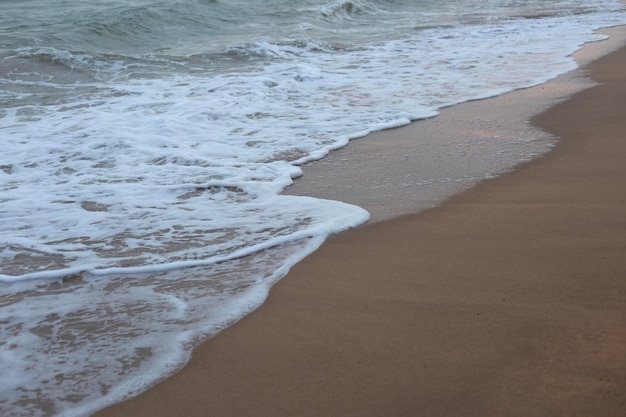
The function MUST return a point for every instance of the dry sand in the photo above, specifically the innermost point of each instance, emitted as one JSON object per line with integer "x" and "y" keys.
{"x": 507, "y": 300}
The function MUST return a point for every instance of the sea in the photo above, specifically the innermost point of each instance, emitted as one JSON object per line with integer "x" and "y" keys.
{"x": 144, "y": 146}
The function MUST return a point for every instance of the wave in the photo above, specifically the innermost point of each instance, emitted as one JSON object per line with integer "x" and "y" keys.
{"x": 63, "y": 62}
{"x": 341, "y": 217}
{"x": 131, "y": 22}
{"x": 350, "y": 10}
{"x": 342, "y": 10}
{"x": 282, "y": 49}
{"x": 132, "y": 27}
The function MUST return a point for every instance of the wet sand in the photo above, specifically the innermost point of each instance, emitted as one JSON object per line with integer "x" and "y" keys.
{"x": 507, "y": 300}
{"x": 418, "y": 166}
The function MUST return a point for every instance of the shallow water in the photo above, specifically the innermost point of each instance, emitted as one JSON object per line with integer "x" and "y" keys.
{"x": 145, "y": 146}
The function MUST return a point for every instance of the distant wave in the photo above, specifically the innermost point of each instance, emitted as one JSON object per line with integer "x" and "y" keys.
{"x": 286, "y": 49}
{"x": 340, "y": 10}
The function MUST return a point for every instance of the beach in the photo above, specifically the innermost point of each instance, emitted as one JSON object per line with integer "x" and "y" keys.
{"x": 508, "y": 299}
{"x": 163, "y": 167}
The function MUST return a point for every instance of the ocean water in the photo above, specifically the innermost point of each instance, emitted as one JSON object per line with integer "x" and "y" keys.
{"x": 144, "y": 146}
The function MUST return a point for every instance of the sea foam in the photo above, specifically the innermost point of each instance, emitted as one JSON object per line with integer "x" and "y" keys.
{"x": 140, "y": 187}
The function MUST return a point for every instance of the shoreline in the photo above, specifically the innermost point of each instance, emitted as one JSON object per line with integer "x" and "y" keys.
{"x": 439, "y": 313}
{"x": 391, "y": 174}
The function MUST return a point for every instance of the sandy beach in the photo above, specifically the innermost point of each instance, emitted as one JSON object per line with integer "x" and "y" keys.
{"x": 507, "y": 300}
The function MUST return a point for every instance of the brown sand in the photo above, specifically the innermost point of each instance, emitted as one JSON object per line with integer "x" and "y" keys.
{"x": 416, "y": 167}
{"x": 508, "y": 300}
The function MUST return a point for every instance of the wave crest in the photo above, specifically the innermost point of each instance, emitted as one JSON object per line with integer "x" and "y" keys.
{"x": 348, "y": 10}
{"x": 286, "y": 49}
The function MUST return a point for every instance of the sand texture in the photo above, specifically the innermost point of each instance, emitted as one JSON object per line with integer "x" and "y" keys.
{"x": 507, "y": 300}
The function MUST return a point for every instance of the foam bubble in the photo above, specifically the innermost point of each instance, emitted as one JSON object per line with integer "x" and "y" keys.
{"x": 140, "y": 192}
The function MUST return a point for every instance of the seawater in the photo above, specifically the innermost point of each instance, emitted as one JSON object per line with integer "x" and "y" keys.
{"x": 144, "y": 146}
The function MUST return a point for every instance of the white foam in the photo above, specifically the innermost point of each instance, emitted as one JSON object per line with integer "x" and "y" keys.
{"x": 154, "y": 191}
{"x": 91, "y": 341}
{"x": 92, "y": 183}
